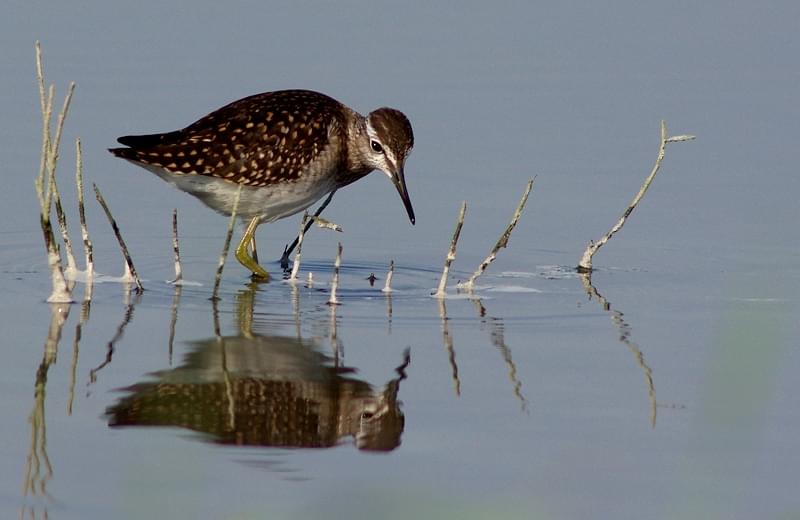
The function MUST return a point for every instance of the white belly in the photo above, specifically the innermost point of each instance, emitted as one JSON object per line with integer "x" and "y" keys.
{"x": 271, "y": 202}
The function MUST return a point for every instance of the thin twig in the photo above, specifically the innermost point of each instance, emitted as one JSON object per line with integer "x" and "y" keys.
{"x": 585, "y": 265}
{"x": 130, "y": 270}
{"x": 296, "y": 266}
{"x": 287, "y": 251}
{"x": 387, "y": 288}
{"x": 335, "y": 284}
{"x": 502, "y": 241}
{"x": 87, "y": 242}
{"x": 224, "y": 254}
{"x": 451, "y": 253}
{"x": 176, "y": 248}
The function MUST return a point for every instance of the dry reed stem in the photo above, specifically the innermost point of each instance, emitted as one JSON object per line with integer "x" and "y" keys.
{"x": 130, "y": 270}
{"x": 451, "y": 253}
{"x": 387, "y": 288}
{"x": 224, "y": 254}
{"x": 585, "y": 264}
{"x": 87, "y": 242}
{"x": 45, "y": 180}
{"x": 72, "y": 266}
{"x": 502, "y": 241}
{"x": 53, "y": 150}
{"x": 335, "y": 284}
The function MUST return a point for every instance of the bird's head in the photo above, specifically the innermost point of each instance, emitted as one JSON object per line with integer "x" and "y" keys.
{"x": 390, "y": 140}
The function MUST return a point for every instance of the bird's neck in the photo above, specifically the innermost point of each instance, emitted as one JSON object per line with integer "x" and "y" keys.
{"x": 355, "y": 151}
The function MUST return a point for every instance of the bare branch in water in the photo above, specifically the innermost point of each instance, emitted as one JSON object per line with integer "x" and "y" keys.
{"x": 502, "y": 241}
{"x": 451, "y": 253}
{"x": 585, "y": 264}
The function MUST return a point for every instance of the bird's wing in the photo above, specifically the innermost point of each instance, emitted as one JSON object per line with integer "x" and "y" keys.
{"x": 255, "y": 141}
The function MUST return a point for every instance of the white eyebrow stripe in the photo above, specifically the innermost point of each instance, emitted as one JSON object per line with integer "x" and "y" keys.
{"x": 371, "y": 131}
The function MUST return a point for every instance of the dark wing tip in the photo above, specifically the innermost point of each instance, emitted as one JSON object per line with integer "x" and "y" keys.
{"x": 149, "y": 140}
{"x": 124, "y": 153}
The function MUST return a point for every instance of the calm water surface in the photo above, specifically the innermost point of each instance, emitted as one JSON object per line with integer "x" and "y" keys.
{"x": 661, "y": 388}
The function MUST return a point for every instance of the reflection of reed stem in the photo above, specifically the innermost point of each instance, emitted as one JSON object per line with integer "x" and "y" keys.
{"x": 296, "y": 310}
{"x": 335, "y": 284}
{"x": 336, "y": 345}
{"x": 111, "y": 345}
{"x": 176, "y": 299}
{"x": 35, "y": 483}
{"x": 229, "y": 393}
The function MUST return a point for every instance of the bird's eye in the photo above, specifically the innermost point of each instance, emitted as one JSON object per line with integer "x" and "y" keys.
{"x": 376, "y": 146}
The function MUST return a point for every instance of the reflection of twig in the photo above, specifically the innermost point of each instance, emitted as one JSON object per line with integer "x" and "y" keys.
{"x": 448, "y": 345}
{"x": 35, "y": 482}
{"x": 230, "y": 394}
{"x": 245, "y": 305}
{"x": 335, "y": 284}
{"x": 86, "y": 307}
{"x": 502, "y": 241}
{"x": 497, "y": 336}
{"x": 625, "y": 337}
{"x": 388, "y": 297}
{"x": 117, "y": 336}
{"x": 336, "y": 344}
{"x": 176, "y": 299}
{"x": 586, "y": 260}
{"x": 451, "y": 253}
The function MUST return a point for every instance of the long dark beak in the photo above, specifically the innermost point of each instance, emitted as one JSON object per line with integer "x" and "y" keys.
{"x": 399, "y": 180}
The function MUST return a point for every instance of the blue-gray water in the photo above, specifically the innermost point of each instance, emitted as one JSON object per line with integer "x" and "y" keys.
{"x": 534, "y": 402}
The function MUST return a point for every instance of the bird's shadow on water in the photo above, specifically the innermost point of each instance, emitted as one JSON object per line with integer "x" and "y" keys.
{"x": 256, "y": 388}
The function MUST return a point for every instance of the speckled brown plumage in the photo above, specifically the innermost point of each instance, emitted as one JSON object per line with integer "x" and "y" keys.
{"x": 255, "y": 141}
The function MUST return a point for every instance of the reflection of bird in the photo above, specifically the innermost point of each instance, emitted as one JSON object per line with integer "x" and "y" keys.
{"x": 266, "y": 391}
{"x": 286, "y": 149}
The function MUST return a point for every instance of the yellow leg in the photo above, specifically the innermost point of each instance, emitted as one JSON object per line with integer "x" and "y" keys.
{"x": 243, "y": 256}
{"x": 253, "y": 248}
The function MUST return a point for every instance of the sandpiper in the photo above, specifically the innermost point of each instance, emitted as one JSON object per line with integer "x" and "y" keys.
{"x": 287, "y": 149}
